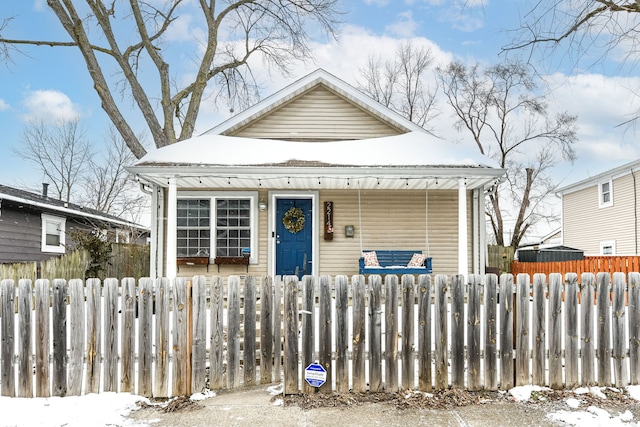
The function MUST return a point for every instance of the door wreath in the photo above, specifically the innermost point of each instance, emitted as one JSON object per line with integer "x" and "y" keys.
{"x": 293, "y": 220}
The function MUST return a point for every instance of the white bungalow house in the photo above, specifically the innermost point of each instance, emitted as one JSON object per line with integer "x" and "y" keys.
{"x": 307, "y": 179}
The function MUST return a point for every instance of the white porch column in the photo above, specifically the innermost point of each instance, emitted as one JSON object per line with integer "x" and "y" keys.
{"x": 172, "y": 225}
{"x": 463, "y": 238}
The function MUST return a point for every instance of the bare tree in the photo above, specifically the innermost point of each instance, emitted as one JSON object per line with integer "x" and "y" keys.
{"x": 108, "y": 187}
{"x": 61, "y": 151}
{"x": 499, "y": 108}
{"x": 586, "y": 25}
{"x": 132, "y": 38}
{"x": 401, "y": 83}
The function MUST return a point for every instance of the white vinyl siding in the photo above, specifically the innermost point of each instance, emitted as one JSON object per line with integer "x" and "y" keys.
{"x": 318, "y": 115}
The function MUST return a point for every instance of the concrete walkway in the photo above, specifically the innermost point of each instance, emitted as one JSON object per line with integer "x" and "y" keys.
{"x": 254, "y": 407}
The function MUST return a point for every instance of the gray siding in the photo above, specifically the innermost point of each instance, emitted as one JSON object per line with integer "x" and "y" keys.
{"x": 20, "y": 236}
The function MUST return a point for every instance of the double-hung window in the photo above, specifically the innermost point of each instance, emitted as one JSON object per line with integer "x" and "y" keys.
{"x": 605, "y": 194}
{"x": 217, "y": 225}
{"x": 53, "y": 234}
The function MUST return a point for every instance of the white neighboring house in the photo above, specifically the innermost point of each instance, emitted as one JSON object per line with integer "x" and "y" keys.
{"x": 601, "y": 214}
{"x": 355, "y": 174}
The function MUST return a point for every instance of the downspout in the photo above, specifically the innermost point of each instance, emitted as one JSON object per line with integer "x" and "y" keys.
{"x": 635, "y": 209}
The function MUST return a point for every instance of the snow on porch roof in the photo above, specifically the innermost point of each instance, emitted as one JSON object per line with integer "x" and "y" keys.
{"x": 414, "y": 155}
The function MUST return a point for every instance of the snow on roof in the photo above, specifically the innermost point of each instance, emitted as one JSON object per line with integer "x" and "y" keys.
{"x": 410, "y": 149}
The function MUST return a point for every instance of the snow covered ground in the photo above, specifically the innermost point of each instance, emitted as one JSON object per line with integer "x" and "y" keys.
{"x": 112, "y": 409}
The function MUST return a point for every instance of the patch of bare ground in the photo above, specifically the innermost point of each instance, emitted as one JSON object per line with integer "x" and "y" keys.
{"x": 451, "y": 398}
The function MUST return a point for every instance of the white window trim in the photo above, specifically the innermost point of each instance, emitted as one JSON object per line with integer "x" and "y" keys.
{"x": 601, "y": 203}
{"x": 61, "y": 221}
{"x": 608, "y": 243}
{"x": 213, "y": 196}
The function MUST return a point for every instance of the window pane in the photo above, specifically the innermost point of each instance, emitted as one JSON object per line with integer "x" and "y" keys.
{"x": 193, "y": 227}
{"x": 52, "y": 240}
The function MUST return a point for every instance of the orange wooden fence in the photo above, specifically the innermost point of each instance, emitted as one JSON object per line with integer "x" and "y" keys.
{"x": 590, "y": 264}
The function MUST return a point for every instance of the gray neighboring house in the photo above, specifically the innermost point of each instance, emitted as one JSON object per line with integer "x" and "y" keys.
{"x": 35, "y": 227}
{"x": 601, "y": 214}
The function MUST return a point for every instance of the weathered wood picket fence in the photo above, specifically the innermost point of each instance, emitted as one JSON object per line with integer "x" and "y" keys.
{"x": 173, "y": 337}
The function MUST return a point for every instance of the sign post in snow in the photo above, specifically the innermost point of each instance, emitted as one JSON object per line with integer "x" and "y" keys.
{"x": 315, "y": 375}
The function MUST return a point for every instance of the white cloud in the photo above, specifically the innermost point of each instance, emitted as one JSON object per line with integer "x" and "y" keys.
{"x": 404, "y": 26}
{"x": 49, "y": 106}
{"x": 3, "y": 105}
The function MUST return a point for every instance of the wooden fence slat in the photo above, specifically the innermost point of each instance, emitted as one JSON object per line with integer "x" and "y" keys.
{"x": 129, "y": 307}
{"x": 325, "y": 331}
{"x": 603, "y": 329}
{"x": 216, "y": 353}
{"x": 7, "y": 331}
{"x": 308, "y": 322}
{"x": 571, "y": 339}
{"x": 291, "y": 352}
{"x": 233, "y": 333}
{"x": 75, "y": 363}
{"x": 539, "y": 374}
{"x": 358, "y": 334}
{"x": 440, "y": 334}
{"x": 43, "y": 298}
{"x": 277, "y": 329}
{"x": 490, "y": 334}
{"x": 555, "y": 331}
{"x": 506, "y": 332}
{"x": 249, "y": 332}
{"x": 94, "y": 335}
{"x": 634, "y": 327}
{"x": 59, "y": 338}
{"x": 587, "y": 331}
{"x": 111, "y": 335}
{"x": 473, "y": 333}
{"x": 266, "y": 331}
{"x": 619, "y": 353}
{"x": 425, "y": 293}
{"x": 391, "y": 332}
{"x": 342, "y": 334}
{"x": 457, "y": 331}
{"x": 522, "y": 329}
{"x": 179, "y": 337}
{"x": 25, "y": 374}
{"x": 145, "y": 312}
{"x": 199, "y": 335}
{"x": 408, "y": 304}
{"x": 161, "y": 373}
{"x": 375, "y": 333}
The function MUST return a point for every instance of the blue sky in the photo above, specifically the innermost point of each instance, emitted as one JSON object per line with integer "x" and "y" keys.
{"x": 52, "y": 82}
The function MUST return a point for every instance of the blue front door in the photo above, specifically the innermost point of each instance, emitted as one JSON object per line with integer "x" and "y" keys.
{"x": 294, "y": 237}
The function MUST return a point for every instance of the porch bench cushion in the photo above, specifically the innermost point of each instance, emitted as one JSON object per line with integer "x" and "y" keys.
{"x": 394, "y": 262}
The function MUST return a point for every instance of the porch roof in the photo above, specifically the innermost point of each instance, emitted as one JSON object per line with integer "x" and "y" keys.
{"x": 414, "y": 160}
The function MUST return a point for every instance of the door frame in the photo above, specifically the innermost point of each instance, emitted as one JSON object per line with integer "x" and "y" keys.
{"x": 273, "y": 196}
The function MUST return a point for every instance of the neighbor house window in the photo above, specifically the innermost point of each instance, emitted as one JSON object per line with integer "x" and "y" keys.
{"x": 217, "y": 225}
{"x": 606, "y": 194}
{"x": 194, "y": 229}
{"x": 608, "y": 247}
{"x": 53, "y": 233}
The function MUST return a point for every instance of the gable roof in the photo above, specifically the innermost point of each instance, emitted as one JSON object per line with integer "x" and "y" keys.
{"x": 617, "y": 172}
{"x": 317, "y": 78}
{"x": 48, "y": 204}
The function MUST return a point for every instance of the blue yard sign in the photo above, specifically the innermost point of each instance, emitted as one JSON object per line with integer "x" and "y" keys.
{"x": 315, "y": 375}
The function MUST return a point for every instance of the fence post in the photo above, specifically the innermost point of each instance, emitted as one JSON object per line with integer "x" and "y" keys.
{"x": 490, "y": 337}
{"x": 391, "y": 332}
{"x": 408, "y": 303}
{"x": 603, "y": 329}
{"x": 571, "y": 347}
{"x": 43, "y": 297}
{"x": 587, "y": 329}
{"x": 441, "y": 341}
{"x": 342, "y": 334}
{"x": 619, "y": 353}
{"x": 424, "y": 333}
{"x": 359, "y": 331}
{"x": 539, "y": 330}
{"x": 473, "y": 333}
{"x": 506, "y": 332}
{"x": 375, "y": 334}
{"x": 522, "y": 330}
{"x": 634, "y": 327}
{"x": 457, "y": 331}
{"x": 59, "y": 324}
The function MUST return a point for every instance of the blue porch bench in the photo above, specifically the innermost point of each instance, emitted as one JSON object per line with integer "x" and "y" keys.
{"x": 395, "y": 262}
